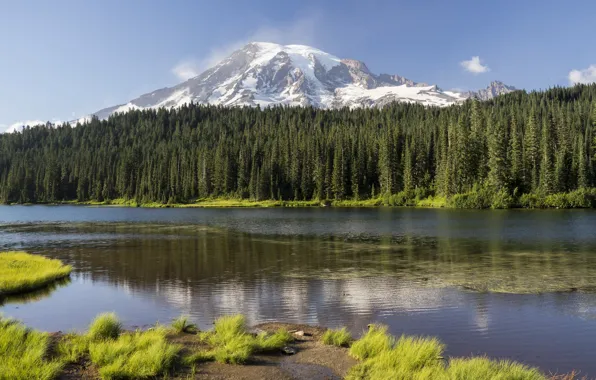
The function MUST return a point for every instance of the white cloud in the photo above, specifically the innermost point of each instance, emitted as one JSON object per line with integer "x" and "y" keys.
{"x": 474, "y": 66}
{"x": 301, "y": 31}
{"x": 186, "y": 70}
{"x": 585, "y": 76}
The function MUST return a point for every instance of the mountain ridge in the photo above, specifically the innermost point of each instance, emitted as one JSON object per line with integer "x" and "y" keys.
{"x": 267, "y": 74}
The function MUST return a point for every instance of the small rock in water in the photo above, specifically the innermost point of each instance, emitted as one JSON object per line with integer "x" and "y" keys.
{"x": 288, "y": 350}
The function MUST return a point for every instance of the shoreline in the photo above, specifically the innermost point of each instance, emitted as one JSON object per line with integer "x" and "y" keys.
{"x": 304, "y": 355}
{"x": 426, "y": 203}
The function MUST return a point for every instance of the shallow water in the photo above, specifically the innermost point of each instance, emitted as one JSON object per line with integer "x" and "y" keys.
{"x": 514, "y": 284}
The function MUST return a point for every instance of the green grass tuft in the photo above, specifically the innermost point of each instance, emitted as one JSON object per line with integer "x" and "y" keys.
{"x": 182, "y": 325}
{"x": 24, "y": 352}
{"x": 484, "y": 368}
{"x": 272, "y": 342}
{"x": 135, "y": 355}
{"x": 230, "y": 342}
{"x": 372, "y": 343}
{"x": 105, "y": 326}
{"x": 72, "y": 347}
{"x": 415, "y": 358}
{"x": 340, "y": 337}
{"x": 22, "y": 272}
{"x": 199, "y": 356}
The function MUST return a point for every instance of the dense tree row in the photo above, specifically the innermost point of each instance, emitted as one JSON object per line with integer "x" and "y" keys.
{"x": 541, "y": 142}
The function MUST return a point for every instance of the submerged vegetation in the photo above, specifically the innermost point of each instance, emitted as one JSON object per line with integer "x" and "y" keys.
{"x": 116, "y": 354}
{"x": 522, "y": 149}
{"x": 21, "y": 272}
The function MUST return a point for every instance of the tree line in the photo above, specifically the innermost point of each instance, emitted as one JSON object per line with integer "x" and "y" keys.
{"x": 520, "y": 147}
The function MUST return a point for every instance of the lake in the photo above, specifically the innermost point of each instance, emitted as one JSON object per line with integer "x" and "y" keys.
{"x": 510, "y": 284}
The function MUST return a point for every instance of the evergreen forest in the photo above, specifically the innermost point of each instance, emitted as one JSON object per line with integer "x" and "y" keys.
{"x": 522, "y": 149}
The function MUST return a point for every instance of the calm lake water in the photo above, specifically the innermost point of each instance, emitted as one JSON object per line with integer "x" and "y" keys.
{"x": 509, "y": 284}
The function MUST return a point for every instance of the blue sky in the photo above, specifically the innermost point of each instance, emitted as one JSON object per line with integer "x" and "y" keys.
{"x": 63, "y": 59}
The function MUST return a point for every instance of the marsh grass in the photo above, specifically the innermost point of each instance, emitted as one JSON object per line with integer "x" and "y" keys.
{"x": 24, "y": 352}
{"x": 272, "y": 342}
{"x": 23, "y": 272}
{"x": 231, "y": 343}
{"x": 182, "y": 325}
{"x": 137, "y": 355}
{"x": 72, "y": 347}
{"x": 484, "y": 368}
{"x": 339, "y": 338}
{"x": 372, "y": 343}
{"x": 105, "y": 326}
{"x": 420, "y": 358}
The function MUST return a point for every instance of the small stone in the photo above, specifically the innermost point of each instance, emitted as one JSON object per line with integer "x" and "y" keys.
{"x": 299, "y": 333}
{"x": 288, "y": 350}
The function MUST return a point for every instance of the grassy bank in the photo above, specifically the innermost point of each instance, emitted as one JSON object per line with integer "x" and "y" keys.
{"x": 180, "y": 351}
{"x": 480, "y": 197}
{"x": 21, "y": 272}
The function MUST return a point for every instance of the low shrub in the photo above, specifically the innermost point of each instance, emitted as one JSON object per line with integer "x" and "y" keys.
{"x": 340, "y": 337}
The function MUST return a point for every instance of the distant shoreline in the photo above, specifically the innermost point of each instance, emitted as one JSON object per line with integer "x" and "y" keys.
{"x": 554, "y": 201}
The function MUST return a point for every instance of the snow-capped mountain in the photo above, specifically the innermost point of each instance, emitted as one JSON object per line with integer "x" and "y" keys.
{"x": 266, "y": 74}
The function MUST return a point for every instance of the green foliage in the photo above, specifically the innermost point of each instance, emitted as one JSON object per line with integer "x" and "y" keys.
{"x": 272, "y": 342}
{"x": 483, "y": 368}
{"x": 199, "y": 356}
{"x": 372, "y": 343}
{"x": 539, "y": 141}
{"x": 24, "y": 352}
{"x": 182, "y": 325}
{"x": 135, "y": 355}
{"x": 422, "y": 359}
{"x": 105, "y": 326}
{"x": 22, "y": 272}
{"x": 411, "y": 358}
{"x": 340, "y": 337}
{"x": 230, "y": 342}
{"x": 72, "y": 347}
{"x": 580, "y": 198}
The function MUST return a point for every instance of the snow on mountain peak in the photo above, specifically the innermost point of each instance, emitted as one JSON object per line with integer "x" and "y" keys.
{"x": 266, "y": 74}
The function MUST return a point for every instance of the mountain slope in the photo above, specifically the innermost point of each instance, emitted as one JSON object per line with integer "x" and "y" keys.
{"x": 265, "y": 74}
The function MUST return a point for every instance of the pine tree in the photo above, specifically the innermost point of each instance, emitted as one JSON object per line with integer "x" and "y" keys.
{"x": 582, "y": 172}
{"x": 516, "y": 156}
{"x": 498, "y": 165}
{"x": 547, "y": 174}
{"x": 532, "y": 153}
{"x": 408, "y": 171}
